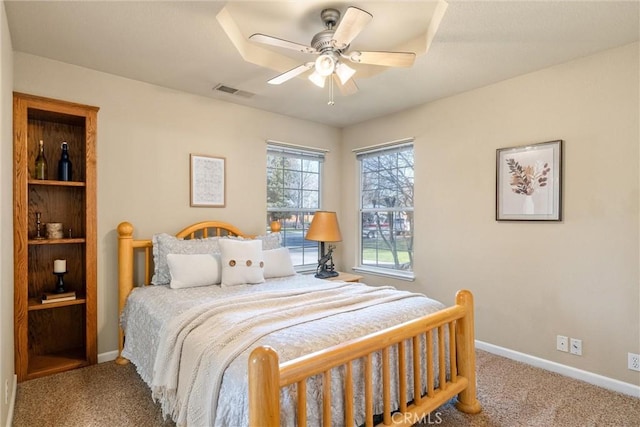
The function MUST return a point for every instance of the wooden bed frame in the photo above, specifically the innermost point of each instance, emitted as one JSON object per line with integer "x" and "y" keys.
{"x": 267, "y": 376}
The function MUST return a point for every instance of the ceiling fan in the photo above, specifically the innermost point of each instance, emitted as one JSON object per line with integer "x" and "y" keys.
{"x": 332, "y": 47}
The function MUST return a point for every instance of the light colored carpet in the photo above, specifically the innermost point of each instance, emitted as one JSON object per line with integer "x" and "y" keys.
{"x": 511, "y": 393}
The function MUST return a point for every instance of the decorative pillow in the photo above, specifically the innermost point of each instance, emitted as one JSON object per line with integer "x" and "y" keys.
{"x": 242, "y": 262}
{"x": 269, "y": 241}
{"x": 188, "y": 271}
{"x": 277, "y": 263}
{"x": 164, "y": 244}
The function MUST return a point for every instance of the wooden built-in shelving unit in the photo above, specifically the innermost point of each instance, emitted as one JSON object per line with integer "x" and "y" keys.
{"x": 54, "y": 337}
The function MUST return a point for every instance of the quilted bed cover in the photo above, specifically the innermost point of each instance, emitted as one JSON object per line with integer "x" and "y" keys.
{"x": 191, "y": 346}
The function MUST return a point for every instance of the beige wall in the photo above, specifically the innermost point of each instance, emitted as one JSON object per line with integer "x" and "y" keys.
{"x": 6, "y": 214}
{"x": 145, "y": 135}
{"x": 532, "y": 281}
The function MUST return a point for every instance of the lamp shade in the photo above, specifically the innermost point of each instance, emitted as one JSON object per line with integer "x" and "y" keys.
{"x": 344, "y": 72}
{"x": 317, "y": 79}
{"x": 324, "y": 228}
{"x": 325, "y": 64}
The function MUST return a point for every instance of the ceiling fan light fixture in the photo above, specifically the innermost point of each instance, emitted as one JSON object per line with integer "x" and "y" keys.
{"x": 332, "y": 45}
{"x": 344, "y": 72}
{"x": 325, "y": 64}
{"x": 317, "y": 79}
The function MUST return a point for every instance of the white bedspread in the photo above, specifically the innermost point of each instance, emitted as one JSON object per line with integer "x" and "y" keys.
{"x": 192, "y": 345}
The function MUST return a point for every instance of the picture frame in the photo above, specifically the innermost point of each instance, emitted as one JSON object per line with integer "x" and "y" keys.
{"x": 207, "y": 181}
{"x": 529, "y": 182}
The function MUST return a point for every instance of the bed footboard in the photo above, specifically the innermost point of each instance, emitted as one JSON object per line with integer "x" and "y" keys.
{"x": 267, "y": 376}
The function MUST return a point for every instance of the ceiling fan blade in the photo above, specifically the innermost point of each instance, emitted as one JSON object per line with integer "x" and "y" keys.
{"x": 288, "y": 75}
{"x": 348, "y": 88}
{"x": 353, "y": 21}
{"x": 387, "y": 59}
{"x": 274, "y": 41}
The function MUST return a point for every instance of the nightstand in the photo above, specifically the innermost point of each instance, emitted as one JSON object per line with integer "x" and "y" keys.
{"x": 346, "y": 277}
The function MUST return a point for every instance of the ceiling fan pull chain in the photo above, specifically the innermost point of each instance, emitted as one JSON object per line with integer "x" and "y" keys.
{"x": 331, "y": 90}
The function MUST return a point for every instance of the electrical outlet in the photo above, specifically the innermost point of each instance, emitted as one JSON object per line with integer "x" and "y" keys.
{"x": 575, "y": 346}
{"x": 562, "y": 343}
{"x": 633, "y": 362}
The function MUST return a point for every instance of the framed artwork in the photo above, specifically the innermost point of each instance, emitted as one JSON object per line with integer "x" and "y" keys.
{"x": 529, "y": 182}
{"x": 207, "y": 184}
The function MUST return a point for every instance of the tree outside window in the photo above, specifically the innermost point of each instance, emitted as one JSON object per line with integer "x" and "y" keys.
{"x": 386, "y": 208}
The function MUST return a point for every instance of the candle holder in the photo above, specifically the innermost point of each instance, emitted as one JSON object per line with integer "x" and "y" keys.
{"x": 38, "y": 224}
{"x": 60, "y": 285}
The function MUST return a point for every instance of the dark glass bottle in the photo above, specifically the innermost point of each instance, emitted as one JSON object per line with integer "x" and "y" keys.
{"x": 41, "y": 163}
{"x": 64, "y": 165}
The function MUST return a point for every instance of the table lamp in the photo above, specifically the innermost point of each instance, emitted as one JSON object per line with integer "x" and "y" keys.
{"x": 324, "y": 228}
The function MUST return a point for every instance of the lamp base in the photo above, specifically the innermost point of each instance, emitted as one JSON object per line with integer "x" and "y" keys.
{"x": 325, "y": 274}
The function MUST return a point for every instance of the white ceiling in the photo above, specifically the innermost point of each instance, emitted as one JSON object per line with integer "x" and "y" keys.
{"x": 181, "y": 45}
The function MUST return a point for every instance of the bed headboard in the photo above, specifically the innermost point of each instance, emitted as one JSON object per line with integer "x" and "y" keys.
{"x": 130, "y": 250}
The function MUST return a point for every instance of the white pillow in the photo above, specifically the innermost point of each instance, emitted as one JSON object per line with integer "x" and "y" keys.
{"x": 164, "y": 244}
{"x": 269, "y": 241}
{"x": 191, "y": 270}
{"x": 242, "y": 262}
{"x": 277, "y": 263}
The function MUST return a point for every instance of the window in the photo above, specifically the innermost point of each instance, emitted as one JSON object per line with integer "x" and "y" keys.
{"x": 294, "y": 177}
{"x": 386, "y": 208}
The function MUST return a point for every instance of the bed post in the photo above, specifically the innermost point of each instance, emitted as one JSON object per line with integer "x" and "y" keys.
{"x": 264, "y": 388}
{"x": 466, "y": 356}
{"x": 125, "y": 278}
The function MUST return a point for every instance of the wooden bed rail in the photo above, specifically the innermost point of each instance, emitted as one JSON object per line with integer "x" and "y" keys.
{"x": 126, "y": 247}
{"x": 267, "y": 376}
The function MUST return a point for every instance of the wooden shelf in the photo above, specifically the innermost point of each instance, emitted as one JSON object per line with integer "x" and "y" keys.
{"x": 56, "y": 183}
{"x": 35, "y": 304}
{"x": 47, "y": 364}
{"x": 56, "y": 241}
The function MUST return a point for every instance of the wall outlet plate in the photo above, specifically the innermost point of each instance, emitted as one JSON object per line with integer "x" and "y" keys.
{"x": 575, "y": 346}
{"x": 562, "y": 343}
{"x": 633, "y": 362}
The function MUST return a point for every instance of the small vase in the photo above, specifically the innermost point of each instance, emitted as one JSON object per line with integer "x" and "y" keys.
{"x": 528, "y": 207}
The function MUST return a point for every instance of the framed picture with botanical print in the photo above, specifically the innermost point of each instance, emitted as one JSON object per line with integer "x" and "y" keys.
{"x": 529, "y": 182}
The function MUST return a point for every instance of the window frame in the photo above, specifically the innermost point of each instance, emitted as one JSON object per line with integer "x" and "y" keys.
{"x": 375, "y": 151}
{"x": 302, "y": 153}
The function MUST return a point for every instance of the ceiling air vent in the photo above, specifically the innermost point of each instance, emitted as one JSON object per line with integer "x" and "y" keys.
{"x": 233, "y": 91}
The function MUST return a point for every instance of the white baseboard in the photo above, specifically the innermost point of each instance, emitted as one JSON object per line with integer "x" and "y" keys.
{"x": 108, "y": 356}
{"x": 12, "y": 401}
{"x": 568, "y": 371}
